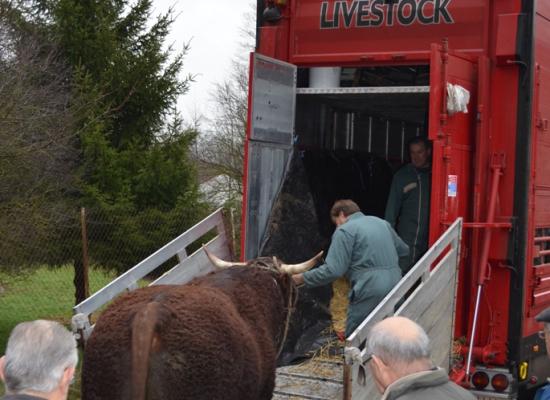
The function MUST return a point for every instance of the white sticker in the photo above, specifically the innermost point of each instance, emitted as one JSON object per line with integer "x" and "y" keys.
{"x": 452, "y": 186}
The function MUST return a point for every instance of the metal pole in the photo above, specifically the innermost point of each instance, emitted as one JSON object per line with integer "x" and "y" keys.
{"x": 370, "y": 134}
{"x": 402, "y": 142}
{"x": 387, "y": 137}
{"x": 484, "y": 259}
{"x": 474, "y": 326}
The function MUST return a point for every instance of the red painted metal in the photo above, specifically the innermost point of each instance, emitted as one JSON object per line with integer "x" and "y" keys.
{"x": 497, "y": 167}
{"x": 481, "y": 55}
{"x": 361, "y": 40}
{"x": 481, "y": 225}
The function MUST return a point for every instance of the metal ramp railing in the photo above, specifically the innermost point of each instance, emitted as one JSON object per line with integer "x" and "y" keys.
{"x": 188, "y": 267}
{"x": 431, "y": 304}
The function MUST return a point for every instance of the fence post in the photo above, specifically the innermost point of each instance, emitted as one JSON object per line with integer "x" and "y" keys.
{"x": 82, "y": 287}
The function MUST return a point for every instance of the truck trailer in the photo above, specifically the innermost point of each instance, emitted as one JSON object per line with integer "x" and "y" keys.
{"x": 356, "y": 79}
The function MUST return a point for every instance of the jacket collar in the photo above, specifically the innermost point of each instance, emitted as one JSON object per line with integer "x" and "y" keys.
{"x": 433, "y": 377}
{"x": 355, "y": 215}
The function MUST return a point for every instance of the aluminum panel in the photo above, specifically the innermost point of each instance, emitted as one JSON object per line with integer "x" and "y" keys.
{"x": 273, "y": 100}
{"x": 266, "y": 167}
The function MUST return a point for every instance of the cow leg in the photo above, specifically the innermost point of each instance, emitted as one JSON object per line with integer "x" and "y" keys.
{"x": 267, "y": 391}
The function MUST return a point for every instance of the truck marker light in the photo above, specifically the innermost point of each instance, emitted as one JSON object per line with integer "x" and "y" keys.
{"x": 480, "y": 380}
{"x": 523, "y": 368}
{"x": 500, "y": 382}
{"x": 533, "y": 380}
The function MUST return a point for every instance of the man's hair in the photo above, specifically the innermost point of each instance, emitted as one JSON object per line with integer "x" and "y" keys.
{"x": 393, "y": 348}
{"x": 37, "y": 354}
{"x": 419, "y": 140}
{"x": 348, "y": 207}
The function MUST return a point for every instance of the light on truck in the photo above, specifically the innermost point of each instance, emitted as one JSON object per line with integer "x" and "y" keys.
{"x": 523, "y": 368}
{"x": 480, "y": 380}
{"x": 500, "y": 382}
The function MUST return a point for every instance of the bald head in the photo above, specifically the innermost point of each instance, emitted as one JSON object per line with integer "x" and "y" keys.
{"x": 400, "y": 343}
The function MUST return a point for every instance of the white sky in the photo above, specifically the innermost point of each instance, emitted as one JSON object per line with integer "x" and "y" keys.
{"x": 213, "y": 27}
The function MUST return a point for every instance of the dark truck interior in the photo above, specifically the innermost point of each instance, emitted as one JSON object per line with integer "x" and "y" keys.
{"x": 347, "y": 146}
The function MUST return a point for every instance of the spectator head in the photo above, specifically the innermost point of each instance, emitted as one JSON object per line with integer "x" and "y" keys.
{"x": 420, "y": 152}
{"x": 398, "y": 347}
{"x": 544, "y": 316}
{"x": 341, "y": 210}
{"x": 40, "y": 360}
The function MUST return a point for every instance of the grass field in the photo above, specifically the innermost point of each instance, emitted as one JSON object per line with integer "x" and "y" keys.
{"x": 45, "y": 293}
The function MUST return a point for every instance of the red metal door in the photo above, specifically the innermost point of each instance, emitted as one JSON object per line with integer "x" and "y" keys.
{"x": 453, "y": 153}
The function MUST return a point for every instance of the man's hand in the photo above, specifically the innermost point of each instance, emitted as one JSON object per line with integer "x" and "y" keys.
{"x": 298, "y": 279}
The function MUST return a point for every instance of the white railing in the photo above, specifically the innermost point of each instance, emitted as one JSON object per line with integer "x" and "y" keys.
{"x": 431, "y": 304}
{"x": 187, "y": 268}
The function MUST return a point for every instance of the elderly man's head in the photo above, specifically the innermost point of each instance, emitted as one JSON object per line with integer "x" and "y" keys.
{"x": 40, "y": 360}
{"x": 399, "y": 347}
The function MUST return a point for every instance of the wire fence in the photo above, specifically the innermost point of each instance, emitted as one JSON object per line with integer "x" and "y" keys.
{"x": 46, "y": 270}
{"x": 44, "y": 276}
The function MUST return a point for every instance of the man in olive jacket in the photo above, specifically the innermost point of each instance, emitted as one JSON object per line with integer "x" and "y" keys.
{"x": 366, "y": 250}
{"x": 408, "y": 206}
{"x": 401, "y": 366}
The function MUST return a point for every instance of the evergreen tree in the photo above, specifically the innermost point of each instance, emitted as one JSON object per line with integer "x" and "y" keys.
{"x": 134, "y": 168}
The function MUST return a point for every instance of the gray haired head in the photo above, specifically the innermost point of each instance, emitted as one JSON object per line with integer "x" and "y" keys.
{"x": 37, "y": 354}
{"x": 399, "y": 340}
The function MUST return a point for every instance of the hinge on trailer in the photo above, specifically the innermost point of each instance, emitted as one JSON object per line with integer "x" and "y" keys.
{"x": 447, "y": 152}
{"x": 479, "y": 115}
{"x": 542, "y": 123}
{"x": 498, "y": 161}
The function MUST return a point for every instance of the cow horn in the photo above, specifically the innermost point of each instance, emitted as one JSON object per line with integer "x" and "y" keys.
{"x": 218, "y": 262}
{"x": 293, "y": 269}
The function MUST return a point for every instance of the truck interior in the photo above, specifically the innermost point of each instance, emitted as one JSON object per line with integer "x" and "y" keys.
{"x": 356, "y": 141}
{"x": 350, "y": 138}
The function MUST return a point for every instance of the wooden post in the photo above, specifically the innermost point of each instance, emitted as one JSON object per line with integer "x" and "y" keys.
{"x": 348, "y": 387}
{"x": 227, "y": 218}
{"x": 81, "y": 266}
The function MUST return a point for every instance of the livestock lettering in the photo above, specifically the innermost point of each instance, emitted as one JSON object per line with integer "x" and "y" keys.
{"x": 376, "y": 13}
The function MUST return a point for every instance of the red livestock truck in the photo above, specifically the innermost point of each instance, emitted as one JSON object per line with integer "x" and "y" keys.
{"x": 362, "y": 77}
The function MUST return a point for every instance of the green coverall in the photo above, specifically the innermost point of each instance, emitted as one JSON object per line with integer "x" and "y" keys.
{"x": 366, "y": 250}
{"x": 408, "y": 211}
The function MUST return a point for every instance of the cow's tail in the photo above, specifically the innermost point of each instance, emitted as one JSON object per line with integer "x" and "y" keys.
{"x": 143, "y": 340}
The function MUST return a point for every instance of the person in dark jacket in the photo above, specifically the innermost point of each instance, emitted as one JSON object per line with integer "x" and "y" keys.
{"x": 408, "y": 206}
{"x": 544, "y": 316}
{"x": 366, "y": 250}
{"x": 401, "y": 366}
{"x": 39, "y": 363}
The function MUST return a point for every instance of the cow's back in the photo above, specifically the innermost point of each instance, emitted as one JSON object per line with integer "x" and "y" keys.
{"x": 202, "y": 348}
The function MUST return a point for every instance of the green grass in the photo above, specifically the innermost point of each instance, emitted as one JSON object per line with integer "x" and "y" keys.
{"x": 46, "y": 293}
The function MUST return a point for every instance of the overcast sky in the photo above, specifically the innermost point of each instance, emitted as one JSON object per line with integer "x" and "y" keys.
{"x": 213, "y": 27}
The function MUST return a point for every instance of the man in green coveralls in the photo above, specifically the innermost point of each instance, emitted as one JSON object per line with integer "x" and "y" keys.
{"x": 366, "y": 250}
{"x": 408, "y": 206}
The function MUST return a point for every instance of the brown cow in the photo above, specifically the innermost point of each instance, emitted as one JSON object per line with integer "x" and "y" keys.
{"x": 214, "y": 338}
